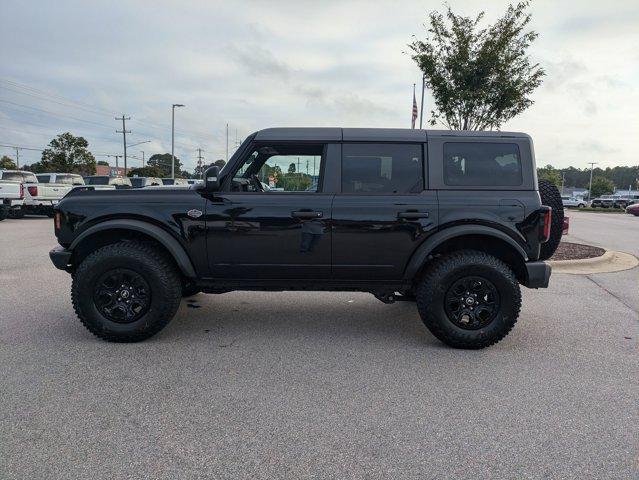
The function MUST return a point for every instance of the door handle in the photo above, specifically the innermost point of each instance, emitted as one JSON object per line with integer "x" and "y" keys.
{"x": 306, "y": 214}
{"x": 412, "y": 215}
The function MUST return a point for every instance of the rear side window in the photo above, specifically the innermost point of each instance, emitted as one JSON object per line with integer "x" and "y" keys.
{"x": 475, "y": 164}
{"x": 44, "y": 178}
{"x": 382, "y": 168}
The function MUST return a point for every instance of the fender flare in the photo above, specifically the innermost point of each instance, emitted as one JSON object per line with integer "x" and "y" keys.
{"x": 420, "y": 255}
{"x": 162, "y": 236}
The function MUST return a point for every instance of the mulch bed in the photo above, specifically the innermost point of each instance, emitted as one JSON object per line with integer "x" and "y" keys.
{"x": 576, "y": 251}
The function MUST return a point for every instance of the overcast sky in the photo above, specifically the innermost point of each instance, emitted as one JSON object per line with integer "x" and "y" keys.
{"x": 262, "y": 64}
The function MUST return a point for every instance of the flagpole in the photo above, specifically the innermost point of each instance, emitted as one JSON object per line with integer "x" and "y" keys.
{"x": 421, "y": 111}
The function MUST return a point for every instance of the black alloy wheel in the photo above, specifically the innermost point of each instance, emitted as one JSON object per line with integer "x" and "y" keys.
{"x": 122, "y": 295}
{"x": 472, "y": 303}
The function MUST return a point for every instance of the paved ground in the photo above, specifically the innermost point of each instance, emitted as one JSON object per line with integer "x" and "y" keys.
{"x": 296, "y": 385}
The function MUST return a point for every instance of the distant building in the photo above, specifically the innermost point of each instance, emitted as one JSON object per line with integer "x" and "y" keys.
{"x": 110, "y": 171}
{"x": 575, "y": 192}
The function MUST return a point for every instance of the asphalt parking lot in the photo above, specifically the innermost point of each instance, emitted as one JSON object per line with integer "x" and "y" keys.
{"x": 319, "y": 385}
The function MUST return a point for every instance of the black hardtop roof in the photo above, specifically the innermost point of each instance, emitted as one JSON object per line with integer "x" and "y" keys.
{"x": 330, "y": 134}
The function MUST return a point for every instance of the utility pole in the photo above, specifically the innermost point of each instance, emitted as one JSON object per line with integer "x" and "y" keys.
{"x": 592, "y": 166}
{"x": 17, "y": 157}
{"x": 142, "y": 157}
{"x": 563, "y": 180}
{"x": 124, "y": 131}
{"x": 199, "y": 161}
{"x": 421, "y": 110}
{"x": 227, "y": 143}
{"x": 173, "y": 137}
{"x": 116, "y": 159}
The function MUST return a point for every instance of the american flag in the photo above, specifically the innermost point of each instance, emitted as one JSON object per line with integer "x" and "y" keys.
{"x": 414, "y": 117}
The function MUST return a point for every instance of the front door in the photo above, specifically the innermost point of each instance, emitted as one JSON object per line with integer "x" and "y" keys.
{"x": 272, "y": 220}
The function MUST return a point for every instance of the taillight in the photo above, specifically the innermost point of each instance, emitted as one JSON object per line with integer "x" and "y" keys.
{"x": 33, "y": 190}
{"x": 21, "y": 191}
{"x": 56, "y": 220}
{"x": 547, "y": 224}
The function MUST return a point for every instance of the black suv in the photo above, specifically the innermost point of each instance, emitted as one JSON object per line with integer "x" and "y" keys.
{"x": 450, "y": 220}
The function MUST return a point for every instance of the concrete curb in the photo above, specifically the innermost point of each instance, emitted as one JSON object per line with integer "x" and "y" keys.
{"x": 610, "y": 261}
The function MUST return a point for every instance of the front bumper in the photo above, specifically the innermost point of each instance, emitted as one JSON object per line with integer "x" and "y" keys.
{"x": 60, "y": 258}
{"x": 537, "y": 275}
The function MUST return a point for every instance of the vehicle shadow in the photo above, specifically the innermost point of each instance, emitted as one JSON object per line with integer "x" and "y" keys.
{"x": 305, "y": 316}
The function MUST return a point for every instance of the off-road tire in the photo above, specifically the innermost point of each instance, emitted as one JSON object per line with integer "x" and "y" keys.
{"x": 551, "y": 197}
{"x": 4, "y": 212}
{"x": 144, "y": 259}
{"x": 442, "y": 273}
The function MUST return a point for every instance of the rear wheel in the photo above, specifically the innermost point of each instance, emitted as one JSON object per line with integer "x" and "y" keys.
{"x": 126, "y": 292}
{"x": 469, "y": 299}
{"x": 551, "y": 197}
{"x": 4, "y": 212}
{"x": 16, "y": 213}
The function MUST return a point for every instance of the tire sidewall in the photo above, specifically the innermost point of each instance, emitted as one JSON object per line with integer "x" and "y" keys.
{"x": 95, "y": 268}
{"x": 508, "y": 308}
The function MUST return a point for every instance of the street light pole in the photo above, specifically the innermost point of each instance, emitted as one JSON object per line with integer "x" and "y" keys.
{"x": 592, "y": 165}
{"x": 173, "y": 137}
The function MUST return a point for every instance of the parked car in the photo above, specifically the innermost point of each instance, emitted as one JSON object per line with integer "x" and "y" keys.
{"x": 577, "y": 202}
{"x": 633, "y": 209}
{"x": 141, "y": 182}
{"x": 27, "y": 180}
{"x": 11, "y": 198}
{"x": 72, "y": 179}
{"x": 104, "y": 182}
{"x": 605, "y": 201}
{"x": 175, "y": 181}
{"x": 458, "y": 241}
{"x": 624, "y": 200}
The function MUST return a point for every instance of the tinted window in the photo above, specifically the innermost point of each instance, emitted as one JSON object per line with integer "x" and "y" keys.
{"x": 96, "y": 180}
{"x": 44, "y": 178}
{"x": 482, "y": 164}
{"x": 382, "y": 168}
{"x": 137, "y": 182}
{"x": 12, "y": 176}
{"x": 168, "y": 181}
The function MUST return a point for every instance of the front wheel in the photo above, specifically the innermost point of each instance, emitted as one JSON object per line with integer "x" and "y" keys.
{"x": 126, "y": 292}
{"x": 469, "y": 299}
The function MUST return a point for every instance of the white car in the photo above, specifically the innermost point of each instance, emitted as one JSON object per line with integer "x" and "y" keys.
{"x": 575, "y": 202}
{"x": 11, "y": 197}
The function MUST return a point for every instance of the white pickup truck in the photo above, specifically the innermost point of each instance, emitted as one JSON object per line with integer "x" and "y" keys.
{"x": 12, "y": 192}
{"x": 11, "y": 198}
{"x": 40, "y": 198}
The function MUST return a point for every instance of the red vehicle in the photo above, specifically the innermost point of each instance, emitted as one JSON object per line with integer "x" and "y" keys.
{"x": 634, "y": 209}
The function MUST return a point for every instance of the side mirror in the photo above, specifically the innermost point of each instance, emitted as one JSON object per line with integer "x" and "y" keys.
{"x": 212, "y": 178}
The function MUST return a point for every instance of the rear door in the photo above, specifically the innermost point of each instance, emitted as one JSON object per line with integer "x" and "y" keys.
{"x": 383, "y": 211}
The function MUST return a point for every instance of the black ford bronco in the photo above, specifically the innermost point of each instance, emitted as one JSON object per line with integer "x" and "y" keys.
{"x": 450, "y": 220}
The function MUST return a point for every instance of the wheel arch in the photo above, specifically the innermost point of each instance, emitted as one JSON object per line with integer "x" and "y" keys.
{"x": 464, "y": 237}
{"x": 111, "y": 231}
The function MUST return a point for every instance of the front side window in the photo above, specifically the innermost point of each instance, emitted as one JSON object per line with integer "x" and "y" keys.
{"x": 280, "y": 168}
{"x": 382, "y": 168}
{"x": 478, "y": 164}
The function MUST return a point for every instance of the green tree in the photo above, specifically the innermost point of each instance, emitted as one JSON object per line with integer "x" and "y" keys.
{"x": 67, "y": 154}
{"x": 479, "y": 77}
{"x": 7, "y": 163}
{"x": 103, "y": 162}
{"x": 601, "y": 186}
{"x": 163, "y": 162}
{"x": 146, "y": 172}
{"x": 291, "y": 168}
{"x": 220, "y": 163}
{"x": 551, "y": 174}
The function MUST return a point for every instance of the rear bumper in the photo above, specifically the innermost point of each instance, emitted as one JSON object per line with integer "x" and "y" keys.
{"x": 60, "y": 258}
{"x": 537, "y": 275}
